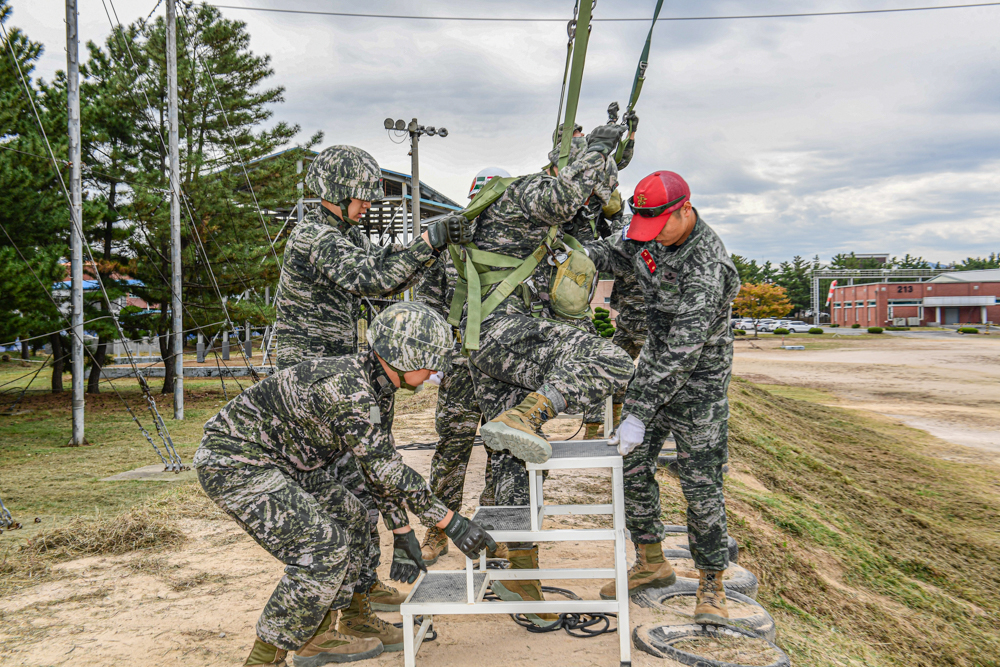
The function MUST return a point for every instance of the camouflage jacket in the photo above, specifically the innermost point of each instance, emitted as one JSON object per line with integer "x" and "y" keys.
{"x": 688, "y": 292}
{"x": 626, "y": 295}
{"x": 518, "y": 221}
{"x": 328, "y": 266}
{"x": 306, "y": 416}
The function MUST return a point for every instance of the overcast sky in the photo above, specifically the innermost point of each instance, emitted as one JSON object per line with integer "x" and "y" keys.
{"x": 798, "y": 136}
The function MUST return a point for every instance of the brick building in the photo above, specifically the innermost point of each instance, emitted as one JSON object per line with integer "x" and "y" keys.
{"x": 962, "y": 297}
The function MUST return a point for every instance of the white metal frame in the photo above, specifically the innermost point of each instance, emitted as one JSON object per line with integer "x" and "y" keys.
{"x": 474, "y": 604}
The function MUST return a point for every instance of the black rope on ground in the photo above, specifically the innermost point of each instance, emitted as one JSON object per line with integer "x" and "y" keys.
{"x": 432, "y": 632}
{"x": 576, "y": 625}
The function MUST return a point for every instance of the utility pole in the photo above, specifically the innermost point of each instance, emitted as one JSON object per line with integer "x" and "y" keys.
{"x": 176, "y": 310}
{"x": 76, "y": 216}
{"x": 415, "y": 130}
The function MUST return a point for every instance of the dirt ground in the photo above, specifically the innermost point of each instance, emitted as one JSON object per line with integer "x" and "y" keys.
{"x": 197, "y": 604}
{"x": 949, "y": 387}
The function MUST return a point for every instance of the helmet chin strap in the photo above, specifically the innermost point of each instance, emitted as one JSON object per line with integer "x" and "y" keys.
{"x": 403, "y": 384}
{"x": 344, "y": 204}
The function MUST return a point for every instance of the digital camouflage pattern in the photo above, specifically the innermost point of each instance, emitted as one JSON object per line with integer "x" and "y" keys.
{"x": 519, "y": 354}
{"x": 412, "y": 336}
{"x": 328, "y": 266}
{"x": 345, "y": 172}
{"x": 627, "y": 301}
{"x": 305, "y": 519}
{"x": 577, "y": 147}
{"x": 305, "y": 417}
{"x": 457, "y": 416}
{"x": 681, "y": 381}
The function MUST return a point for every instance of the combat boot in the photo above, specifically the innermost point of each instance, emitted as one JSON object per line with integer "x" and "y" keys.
{"x": 328, "y": 646}
{"x": 616, "y": 414}
{"x": 358, "y": 620}
{"x": 384, "y": 597}
{"x": 518, "y": 430}
{"x": 435, "y": 545}
{"x": 514, "y": 590}
{"x": 595, "y": 431}
{"x": 500, "y": 552}
{"x": 651, "y": 570}
{"x": 711, "y": 600}
{"x": 266, "y": 655}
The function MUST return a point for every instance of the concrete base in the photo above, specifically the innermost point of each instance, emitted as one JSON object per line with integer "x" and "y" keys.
{"x": 153, "y": 473}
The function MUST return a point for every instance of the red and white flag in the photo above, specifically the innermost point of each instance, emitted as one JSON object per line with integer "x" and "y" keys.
{"x": 829, "y": 296}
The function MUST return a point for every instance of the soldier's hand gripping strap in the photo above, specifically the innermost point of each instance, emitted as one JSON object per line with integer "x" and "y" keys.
{"x": 468, "y": 536}
{"x": 474, "y": 284}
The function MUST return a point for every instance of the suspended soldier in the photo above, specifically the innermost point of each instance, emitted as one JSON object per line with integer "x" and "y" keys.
{"x": 457, "y": 417}
{"x": 265, "y": 460}
{"x": 329, "y": 265}
{"x": 689, "y": 282}
{"x": 528, "y": 367}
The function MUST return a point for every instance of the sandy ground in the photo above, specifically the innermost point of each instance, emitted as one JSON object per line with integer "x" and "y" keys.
{"x": 197, "y": 605}
{"x": 947, "y": 386}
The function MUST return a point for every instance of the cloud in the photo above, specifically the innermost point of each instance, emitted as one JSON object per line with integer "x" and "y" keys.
{"x": 798, "y": 136}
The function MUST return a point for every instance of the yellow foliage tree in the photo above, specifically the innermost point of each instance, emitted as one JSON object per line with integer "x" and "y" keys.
{"x": 760, "y": 301}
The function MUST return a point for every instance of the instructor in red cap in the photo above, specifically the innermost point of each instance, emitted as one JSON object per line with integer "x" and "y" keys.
{"x": 688, "y": 282}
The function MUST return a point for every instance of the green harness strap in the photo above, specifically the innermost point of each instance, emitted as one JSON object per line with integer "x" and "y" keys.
{"x": 640, "y": 74}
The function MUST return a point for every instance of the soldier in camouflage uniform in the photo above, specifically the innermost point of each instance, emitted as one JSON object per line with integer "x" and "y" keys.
{"x": 329, "y": 265}
{"x": 530, "y": 368}
{"x": 265, "y": 460}
{"x": 688, "y": 281}
{"x": 457, "y": 417}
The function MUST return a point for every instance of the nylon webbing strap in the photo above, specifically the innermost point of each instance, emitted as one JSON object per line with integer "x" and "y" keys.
{"x": 640, "y": 74}
{"x": 474, "y": 283}
{"x": 575, "y": 79}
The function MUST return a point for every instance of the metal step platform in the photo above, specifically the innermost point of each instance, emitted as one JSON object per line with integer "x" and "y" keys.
{"x": 461, "y": 592}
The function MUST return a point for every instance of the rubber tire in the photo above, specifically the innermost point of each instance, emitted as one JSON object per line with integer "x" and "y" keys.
{"x": 761, "y": 624}
{"x": 734, "y": 547}
{"x": 659, "y": 636}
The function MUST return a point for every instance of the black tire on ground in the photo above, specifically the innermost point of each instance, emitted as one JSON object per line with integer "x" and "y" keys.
{"x": 744, "y": 582}
{"x": 734, "y": 547}
{"x": 657, "y": 640}
{"x": 760, "y": 623}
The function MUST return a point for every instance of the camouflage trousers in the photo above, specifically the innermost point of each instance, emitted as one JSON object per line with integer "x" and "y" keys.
{"x": 308, "y": 521}
{"x": 701, "y": 431}
{"x": 520, "y": 354}
{"x": 629, "y": 340}
{"x": 456, "y": 421}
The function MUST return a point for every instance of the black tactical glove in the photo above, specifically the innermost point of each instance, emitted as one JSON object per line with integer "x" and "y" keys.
{"x": 406, "y": 560}
{"x": 631, "y": 120}
{"x": 452, "y": 228}
{"x": 468, "y": 536}
{"x": 604, "y": 139}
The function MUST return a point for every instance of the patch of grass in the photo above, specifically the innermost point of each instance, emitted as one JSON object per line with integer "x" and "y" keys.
{"x": 800, "y": 393}
{"x": 133, "y": 530}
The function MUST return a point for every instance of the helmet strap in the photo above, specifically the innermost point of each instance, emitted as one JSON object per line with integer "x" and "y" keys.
{"x": 344, "y": 204}
{"x": 403, "y": 384}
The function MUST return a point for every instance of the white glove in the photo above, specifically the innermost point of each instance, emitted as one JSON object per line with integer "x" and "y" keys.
{"x": 435, "y": 379}
{"x": 614, "y": 439}
{"x": 630, "y": 434}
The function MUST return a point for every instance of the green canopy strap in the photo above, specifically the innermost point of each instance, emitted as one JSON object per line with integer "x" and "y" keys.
{"x": 640, "y": 74}
{"x": 580, "y": 41}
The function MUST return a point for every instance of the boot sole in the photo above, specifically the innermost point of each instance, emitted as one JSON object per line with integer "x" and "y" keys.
{"x": 501, "y": 592}
{"x": 531, "y": 448}
{"x": 713, "y": 619}
{"x": 654, "y": 583}
{"x": 335, "y": 658}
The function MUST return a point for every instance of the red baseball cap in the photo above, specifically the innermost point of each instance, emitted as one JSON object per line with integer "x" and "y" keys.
{"x": 656, "y": 197}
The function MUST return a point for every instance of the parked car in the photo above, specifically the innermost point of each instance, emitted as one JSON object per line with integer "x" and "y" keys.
{"x": 797, "y": 326}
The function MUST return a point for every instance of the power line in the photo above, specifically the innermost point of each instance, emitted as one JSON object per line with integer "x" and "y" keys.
{"x": 493, "y": 19}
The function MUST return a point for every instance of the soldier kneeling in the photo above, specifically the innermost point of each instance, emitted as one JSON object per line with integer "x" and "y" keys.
{"x": 265, "y": 459}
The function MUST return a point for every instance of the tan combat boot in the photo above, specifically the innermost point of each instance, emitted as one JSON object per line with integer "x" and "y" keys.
{"x": 518, "y": 430}
{"x": 651, "y": 570}
{"x": 266, "y": 655}
{"x": 616, "y": 414}
{"x": 501, "y": 551}
{"x": 384, "y": 597}
{"x": 358, "y": 620}
{"x": 435, "y": 545}
{"x": 328, "y": 645}
{"x": 595, "y": 431}
{"x": 518, "y": 591}
{"x": 711, "y": 599}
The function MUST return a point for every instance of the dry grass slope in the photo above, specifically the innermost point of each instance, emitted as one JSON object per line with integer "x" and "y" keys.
{"x": 861, "y": 541}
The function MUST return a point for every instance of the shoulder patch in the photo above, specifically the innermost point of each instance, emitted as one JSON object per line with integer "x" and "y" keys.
{"x": 648, "y": 258}
{"x": 625, "y": 232}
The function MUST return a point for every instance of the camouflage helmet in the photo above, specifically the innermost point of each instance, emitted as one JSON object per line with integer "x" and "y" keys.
{"x": 410, "y": 336}
{"x": 557, "y": 133}
{"x": 345, "y": 172}
{"x": 576, "y": 149}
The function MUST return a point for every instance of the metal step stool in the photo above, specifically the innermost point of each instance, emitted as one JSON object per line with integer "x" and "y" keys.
{"x": 462, "y": 591}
